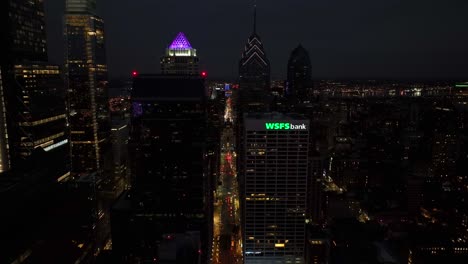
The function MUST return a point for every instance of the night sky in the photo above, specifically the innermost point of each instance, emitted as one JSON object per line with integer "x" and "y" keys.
{"x": 345, "y": 39}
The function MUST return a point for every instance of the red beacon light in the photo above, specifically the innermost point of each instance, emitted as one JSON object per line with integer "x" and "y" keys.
{"x": 134, "y": 73}
{"x": 204, "y": 74}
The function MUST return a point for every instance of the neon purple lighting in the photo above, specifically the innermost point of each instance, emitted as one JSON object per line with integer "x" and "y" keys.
{"x": 137, "y": 109}
{"x": 180, "y": 42}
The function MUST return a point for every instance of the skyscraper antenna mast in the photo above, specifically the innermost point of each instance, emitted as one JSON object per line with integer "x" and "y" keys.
{"x": 255, "y": 18}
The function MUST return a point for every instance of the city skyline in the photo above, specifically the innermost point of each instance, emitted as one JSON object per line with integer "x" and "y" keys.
{"x": 393, "y": 40}
{"x": 301, "y": 160}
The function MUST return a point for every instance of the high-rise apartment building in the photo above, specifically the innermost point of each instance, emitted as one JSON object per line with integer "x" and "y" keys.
{"x": 299, "y": 73}
{"x": 86, "y": 72}
{"x": 274, "y": 194}
{"x": 180, "y": 57}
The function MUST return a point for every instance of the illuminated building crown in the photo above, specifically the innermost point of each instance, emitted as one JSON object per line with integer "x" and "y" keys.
{"x": 180, "y": 46}
{"x": 254, "y": 51}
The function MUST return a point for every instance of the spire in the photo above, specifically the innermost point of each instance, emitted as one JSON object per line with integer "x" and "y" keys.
{"x": 255, "y": 18}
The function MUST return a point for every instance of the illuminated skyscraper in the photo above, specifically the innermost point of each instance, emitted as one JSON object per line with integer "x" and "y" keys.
{"x": 33, "y": 113}
{"x": 254, "y": 74}
{"x": 274, "y": 199}
{"x": 180, "y": 57}
{"x": 299, "y": 73}
{"x": 86, "y": 70}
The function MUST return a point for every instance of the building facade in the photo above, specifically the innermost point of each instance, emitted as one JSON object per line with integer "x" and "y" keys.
{"x": 275, "y": 162}
{"x": 180, "y": 57}
{"x": 41, "y": 118}
{"x": 86, "y": 72}
{"x": 22, "y": 31}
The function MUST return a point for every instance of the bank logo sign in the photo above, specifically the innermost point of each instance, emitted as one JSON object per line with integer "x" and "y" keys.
{"x": 285, "y": 126}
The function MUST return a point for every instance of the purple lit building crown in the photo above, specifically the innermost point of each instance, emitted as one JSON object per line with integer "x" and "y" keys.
{"x": 180, "y": 57}
{"x": 180, "y": 42}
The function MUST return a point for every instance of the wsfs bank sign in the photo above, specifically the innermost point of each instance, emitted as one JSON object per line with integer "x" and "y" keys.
{"x": 285, "y": 126}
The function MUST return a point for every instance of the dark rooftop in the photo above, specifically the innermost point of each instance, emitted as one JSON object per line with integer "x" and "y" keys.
{"x": 167, "y": 87}
{"x": 275, "y": 116}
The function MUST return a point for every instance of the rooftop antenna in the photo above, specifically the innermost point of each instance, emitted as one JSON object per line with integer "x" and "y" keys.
{"x": 255, "y": 18}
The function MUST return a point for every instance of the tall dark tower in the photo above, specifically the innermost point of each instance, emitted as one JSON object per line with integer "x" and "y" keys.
{"x": 299, "y": 73}
{"x": 33, "y": 111}
{"x": 254, "y": 74}
{"x": 86, "y": 70}
{"x": 171, "y": 193}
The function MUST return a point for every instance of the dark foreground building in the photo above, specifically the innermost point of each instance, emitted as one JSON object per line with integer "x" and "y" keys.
{"x": 171, "y": 193}
{"x": 44, "y": 221}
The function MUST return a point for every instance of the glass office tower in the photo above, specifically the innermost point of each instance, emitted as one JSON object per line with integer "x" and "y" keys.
{"x": 87, "y": 81}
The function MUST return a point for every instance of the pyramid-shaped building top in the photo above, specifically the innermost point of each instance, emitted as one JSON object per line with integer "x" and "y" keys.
{"x": 180, "y": 42}
{"x": 180, "y": 57}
